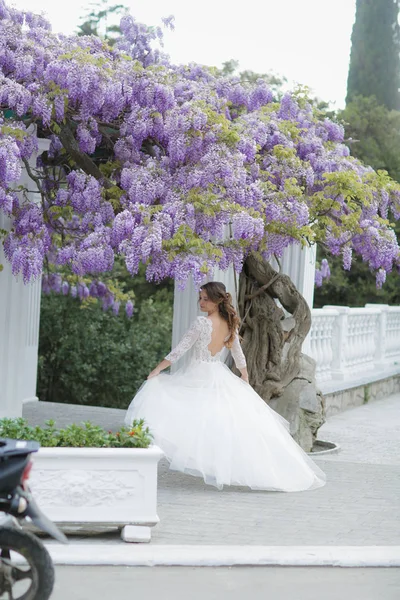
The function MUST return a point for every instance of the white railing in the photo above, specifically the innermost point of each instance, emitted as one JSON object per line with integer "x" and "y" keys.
{"x": 392, "y": 332}
{"x": 320, "y": 341}
{"x": 348, "y": 342}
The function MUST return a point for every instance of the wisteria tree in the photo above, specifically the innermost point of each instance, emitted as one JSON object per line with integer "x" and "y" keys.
{"x": 180, "y": 169}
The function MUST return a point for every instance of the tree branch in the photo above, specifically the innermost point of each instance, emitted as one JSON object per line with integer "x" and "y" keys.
{"x": 83, "y": 161}
{"x": 260, "y": 290}
{"x": 34, "y": 178}
{"x": 148, "y": 144}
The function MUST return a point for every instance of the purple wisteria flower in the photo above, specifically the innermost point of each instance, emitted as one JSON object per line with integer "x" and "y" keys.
{"x": 129, "y": 309}
{"x": 318, "y": 278}
{"x": 322, "y": 273}
{"x": 347, "y": 257}
{"x": 325, "y": 270}
{"x": 380, "y": 278}
{"x": 174, "y": 167}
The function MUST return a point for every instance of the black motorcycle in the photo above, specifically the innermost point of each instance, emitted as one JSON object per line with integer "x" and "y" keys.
{"x": 26, "y": 569}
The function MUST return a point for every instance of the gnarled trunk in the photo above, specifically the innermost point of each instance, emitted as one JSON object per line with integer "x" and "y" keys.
{"x": 272, "y": 342}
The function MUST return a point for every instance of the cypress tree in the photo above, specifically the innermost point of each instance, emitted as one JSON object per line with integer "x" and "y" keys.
{"x": 375, "y": 53}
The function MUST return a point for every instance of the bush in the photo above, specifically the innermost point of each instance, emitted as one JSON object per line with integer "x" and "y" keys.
{"x": 87, "y": 356}
{"x": 88, "y": 436}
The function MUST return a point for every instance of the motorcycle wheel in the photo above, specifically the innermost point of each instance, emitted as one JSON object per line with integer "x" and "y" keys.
{"x": 26, "y": 569}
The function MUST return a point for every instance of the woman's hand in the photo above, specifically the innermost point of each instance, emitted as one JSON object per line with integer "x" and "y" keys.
{"x": 164, "y": 364}
{"x": 154, "y": 373}
{"x": 244, "y": 374}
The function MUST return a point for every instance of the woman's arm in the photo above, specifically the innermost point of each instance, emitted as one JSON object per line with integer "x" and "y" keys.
{"x": 184, "y": 345}
{"x": 239, "y": 358}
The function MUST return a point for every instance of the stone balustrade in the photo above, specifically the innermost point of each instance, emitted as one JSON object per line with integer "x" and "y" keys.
{"x": 353, "y": 342}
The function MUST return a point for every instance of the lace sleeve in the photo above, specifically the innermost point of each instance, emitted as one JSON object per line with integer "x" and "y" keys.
{"x": 237, "y": 354}
{"x": 186, "y": 342}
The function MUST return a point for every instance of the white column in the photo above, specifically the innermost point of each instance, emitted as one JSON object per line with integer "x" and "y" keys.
{"x": 299, "y": 264}
{"x": 19, "y": 325}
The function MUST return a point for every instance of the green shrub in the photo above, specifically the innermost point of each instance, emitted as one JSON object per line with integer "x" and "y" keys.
{"x": 88, "y": 356}
{"x": 77, "y": 436}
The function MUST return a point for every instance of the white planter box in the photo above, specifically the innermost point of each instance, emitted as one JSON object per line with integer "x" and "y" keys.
{"x": 99, "y": 487}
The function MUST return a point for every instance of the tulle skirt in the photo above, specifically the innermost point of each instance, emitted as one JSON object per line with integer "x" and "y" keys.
{"x": 211, "y": 424}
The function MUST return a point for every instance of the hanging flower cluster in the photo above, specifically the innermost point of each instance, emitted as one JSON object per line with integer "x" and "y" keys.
{"x": 174, "y": 167}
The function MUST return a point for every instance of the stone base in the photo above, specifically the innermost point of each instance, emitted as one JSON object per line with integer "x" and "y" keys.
{"x": 302, "y": 405}
{"x": 321, "y": 448}
{"x": 135, "y": 533}
{"x": 28, "y": 400}
{"x": 345, "y": 399}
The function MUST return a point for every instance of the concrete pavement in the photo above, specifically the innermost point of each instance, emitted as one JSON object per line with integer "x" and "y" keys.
{"x": 358, "y": 506}
{"x": 369, "y": 434}
{"x": 257, "y": 583}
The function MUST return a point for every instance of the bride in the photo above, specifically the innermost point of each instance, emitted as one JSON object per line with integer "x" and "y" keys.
{"x": 212, "y": 424}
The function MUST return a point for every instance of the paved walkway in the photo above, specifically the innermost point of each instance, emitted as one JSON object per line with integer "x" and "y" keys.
{"x": 226, "y": 584}
{"x": 359, "y": 506}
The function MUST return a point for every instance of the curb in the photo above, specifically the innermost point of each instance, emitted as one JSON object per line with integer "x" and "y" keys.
{"x": 219, "y": 556}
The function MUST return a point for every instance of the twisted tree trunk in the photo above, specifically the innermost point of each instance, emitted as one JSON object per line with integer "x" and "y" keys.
{"x": 278, "y": 371}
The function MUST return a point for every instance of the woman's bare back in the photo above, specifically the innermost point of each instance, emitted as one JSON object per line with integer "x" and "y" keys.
{"x": 220, "y": 333}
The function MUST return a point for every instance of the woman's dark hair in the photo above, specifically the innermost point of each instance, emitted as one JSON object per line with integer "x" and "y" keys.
{"x": 216, "y": 292}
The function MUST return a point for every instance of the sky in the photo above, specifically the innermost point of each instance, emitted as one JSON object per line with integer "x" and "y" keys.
{"x": 307, "y": 41}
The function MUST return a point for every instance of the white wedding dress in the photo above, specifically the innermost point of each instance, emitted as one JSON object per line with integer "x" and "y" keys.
{"x": 212, "y": 424}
